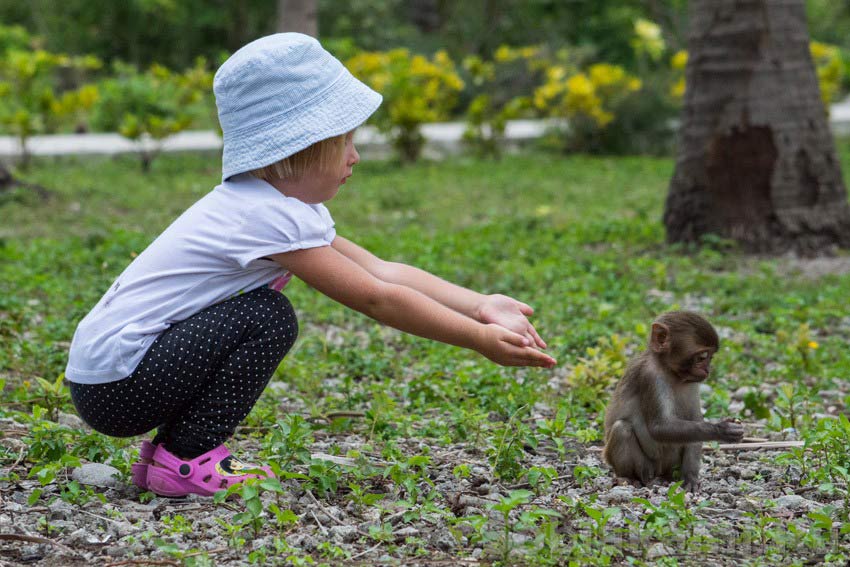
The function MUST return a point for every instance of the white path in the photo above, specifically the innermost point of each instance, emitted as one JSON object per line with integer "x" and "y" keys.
{"x": 440, "y": 138}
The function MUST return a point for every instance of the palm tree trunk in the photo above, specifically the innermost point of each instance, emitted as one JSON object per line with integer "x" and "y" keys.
{"x": 298, "y": 16}
{"x": 756, "y": 160}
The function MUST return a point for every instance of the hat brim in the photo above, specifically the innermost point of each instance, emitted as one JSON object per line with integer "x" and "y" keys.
{"x": 338, "y": 110}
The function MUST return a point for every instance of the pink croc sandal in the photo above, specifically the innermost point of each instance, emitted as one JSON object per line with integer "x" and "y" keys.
{"x": 140, "y": 469}
{"x": 206, "y": 474}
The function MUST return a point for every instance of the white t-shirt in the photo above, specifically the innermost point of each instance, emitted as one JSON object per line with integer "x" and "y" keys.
{"x": 212, "y": 252}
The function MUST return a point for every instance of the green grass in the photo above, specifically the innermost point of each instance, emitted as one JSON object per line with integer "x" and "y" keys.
{"x": 579, "y": 238}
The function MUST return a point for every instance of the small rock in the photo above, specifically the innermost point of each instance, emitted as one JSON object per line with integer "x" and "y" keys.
{"x": 97, "y": 474}
{"x": 60, "y": 510}
{"x": 306, "y": 542}
{"x": 618, "y": 495}
{"x": 344, "y": 534}
{"x": 484, "y": 489}
{"x": 71, "y": 421}
{"x": 116, "y": 551}
{"x": 408, "y": 531}
{"x": 658, "y": 550}
{"x": 742, "y": 392}
{"x": 443, "y": 540}
{"x": 795, "y": 503}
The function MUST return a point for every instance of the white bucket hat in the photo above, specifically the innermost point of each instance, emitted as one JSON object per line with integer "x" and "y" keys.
{"x": 279, "y": 95}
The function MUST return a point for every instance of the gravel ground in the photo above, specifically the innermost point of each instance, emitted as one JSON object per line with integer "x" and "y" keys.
{"x": 123, "y": 529}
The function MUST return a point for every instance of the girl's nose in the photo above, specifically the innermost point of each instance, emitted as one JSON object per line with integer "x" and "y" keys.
{"x": 353, "y": 156}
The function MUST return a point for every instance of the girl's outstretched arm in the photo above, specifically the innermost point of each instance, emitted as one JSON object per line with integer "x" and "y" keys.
{"x": 500, "y": 309}
{"x": 405, "y": 308}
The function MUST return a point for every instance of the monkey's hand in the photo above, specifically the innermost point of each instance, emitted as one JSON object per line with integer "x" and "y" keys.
{"x": 729, "y": 431}
{"x": 510, "y": 314}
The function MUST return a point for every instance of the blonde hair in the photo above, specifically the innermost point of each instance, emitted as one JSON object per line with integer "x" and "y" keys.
{"x": 323, "y": 155}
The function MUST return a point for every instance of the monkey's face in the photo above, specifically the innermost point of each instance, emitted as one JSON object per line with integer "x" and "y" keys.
{"x": 695, "y": 365}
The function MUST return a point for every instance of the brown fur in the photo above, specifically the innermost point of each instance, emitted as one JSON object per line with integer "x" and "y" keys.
{"x": 654, "y": 424}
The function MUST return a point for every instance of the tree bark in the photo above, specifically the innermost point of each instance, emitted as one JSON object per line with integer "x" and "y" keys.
{"x": 756, "y": 160}
{"x": 298, "y": 16}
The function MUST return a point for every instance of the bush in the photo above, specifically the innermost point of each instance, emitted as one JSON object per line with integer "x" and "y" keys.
{"x": 148, "y": 107}
{"x": 31, "y": 99}
{"x": 499, "y": 90}
{"x": 416, "y": 90}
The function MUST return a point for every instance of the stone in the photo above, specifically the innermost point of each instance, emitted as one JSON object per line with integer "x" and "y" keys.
{"x": 71, "y": 421}
{"x": 657, "y": 551}
{"x": 408, "y": 531}
{"x": 618, "y": 495}
{"x": 97, "y": 474}
{"x": 795, "y": 503}
{"x": 344, "y": 534}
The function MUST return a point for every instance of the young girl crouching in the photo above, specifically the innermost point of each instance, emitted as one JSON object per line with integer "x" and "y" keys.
{"x": 187, "y": 337}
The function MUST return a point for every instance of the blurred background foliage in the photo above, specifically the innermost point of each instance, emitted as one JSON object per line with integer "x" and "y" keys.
{"x": 608, "y": 75}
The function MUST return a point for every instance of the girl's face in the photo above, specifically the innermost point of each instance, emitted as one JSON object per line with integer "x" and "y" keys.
{"x": 321, "y": 186}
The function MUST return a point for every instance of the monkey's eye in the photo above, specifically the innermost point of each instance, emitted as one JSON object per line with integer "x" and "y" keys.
{"x": 701, "y": 357}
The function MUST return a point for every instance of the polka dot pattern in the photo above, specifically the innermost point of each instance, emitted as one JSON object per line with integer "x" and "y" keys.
{"x": 200, "y": 378}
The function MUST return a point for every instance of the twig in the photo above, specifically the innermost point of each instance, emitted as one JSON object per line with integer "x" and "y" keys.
{"x": 362, "y": 553}
{"x": 18, "y": 461}
{"x": 323, "y": 509}
{"x": 738, "y": 446}
{"x": 210, "y": 552}
{"x": 37, "y": 539}
{"x": 756, "y": 446}
{"x": 318, "y": 523}
{"x": 528, "y": 485}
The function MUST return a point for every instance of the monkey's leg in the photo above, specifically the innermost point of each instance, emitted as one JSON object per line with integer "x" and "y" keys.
{"x": 623, "y": 452}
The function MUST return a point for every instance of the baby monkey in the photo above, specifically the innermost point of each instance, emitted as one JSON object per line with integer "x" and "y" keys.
{"x": 654, "y": 423}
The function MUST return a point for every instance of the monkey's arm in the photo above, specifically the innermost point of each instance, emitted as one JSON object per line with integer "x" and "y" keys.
{"x": 648, "y": 445}
{"x": 675, "y": 430}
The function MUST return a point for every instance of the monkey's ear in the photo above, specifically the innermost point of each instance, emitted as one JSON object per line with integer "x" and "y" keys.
{"x": 659, "y": 340}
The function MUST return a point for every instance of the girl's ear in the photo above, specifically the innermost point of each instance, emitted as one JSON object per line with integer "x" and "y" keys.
{"x": 659, "y": 339}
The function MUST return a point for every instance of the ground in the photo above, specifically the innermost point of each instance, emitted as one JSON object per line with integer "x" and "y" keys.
{"x": 396, "y": 450}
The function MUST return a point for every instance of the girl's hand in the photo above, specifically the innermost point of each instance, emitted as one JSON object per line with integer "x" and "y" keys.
{"x": 510, "y": 314}
{"x": 510, "y": 349}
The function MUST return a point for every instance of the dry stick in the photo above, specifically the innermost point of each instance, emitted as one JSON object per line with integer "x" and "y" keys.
{"x": 756, "y": 446}
{"x": 37, "y": 539}
{"x": 738, "y": 446}
{"x": 18, "y": 461}
{"x": 362, "y": 553}
{"x": 318, "y": 523}
{"x": 210, "y": 552}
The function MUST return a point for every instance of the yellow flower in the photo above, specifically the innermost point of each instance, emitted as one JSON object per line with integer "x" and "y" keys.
{"x": 503, "y": 54}
{"x": 680, "y": 60}
{"x": 813, "y": 345}
{"x": 580, "y": 85}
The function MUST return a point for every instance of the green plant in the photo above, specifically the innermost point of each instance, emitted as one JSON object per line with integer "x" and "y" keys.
{"x": 494, "y": 102}
{"x": 31, "y": 100}
{"x": 146, "y": 107}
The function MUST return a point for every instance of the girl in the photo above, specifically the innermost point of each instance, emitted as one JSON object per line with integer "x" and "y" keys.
{"x": 189, "y": 334}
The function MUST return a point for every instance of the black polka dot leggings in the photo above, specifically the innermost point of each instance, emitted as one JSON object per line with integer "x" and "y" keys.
{"x": 200, "y": 378}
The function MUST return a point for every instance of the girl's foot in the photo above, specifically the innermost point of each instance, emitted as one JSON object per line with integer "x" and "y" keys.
{"x": 169, "y": 475}
{"x": 140, "y": 469}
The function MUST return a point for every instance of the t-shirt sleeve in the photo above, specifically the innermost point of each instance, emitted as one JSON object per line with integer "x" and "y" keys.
{"x": 283, "y": 227}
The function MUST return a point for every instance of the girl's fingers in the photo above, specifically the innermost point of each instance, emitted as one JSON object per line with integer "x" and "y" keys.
{"x": 514, "y": 339}
{"x": 537, "y": 340}
{"x": 525, "y": 309}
